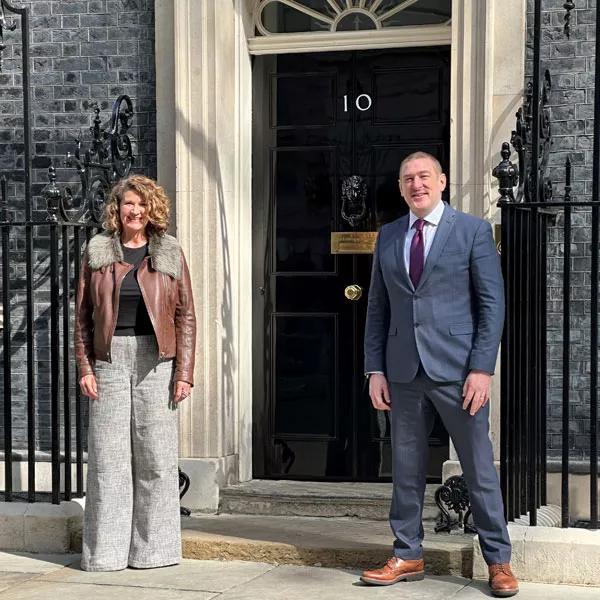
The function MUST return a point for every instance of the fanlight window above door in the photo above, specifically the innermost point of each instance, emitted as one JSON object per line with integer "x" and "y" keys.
{"x": 299, "y": 16}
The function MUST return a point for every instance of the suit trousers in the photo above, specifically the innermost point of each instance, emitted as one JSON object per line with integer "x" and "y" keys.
{"x": 132, "y": 500}
{"x": 413, "y": 408}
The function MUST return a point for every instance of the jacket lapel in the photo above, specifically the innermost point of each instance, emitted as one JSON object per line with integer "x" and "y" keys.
{"x": 400, "y": 239}
{"x": 439, "y": 241}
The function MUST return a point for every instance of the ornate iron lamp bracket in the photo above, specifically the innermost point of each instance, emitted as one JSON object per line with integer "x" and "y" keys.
{"x": 109, "y": 159}
{"x": 454, "y": 496}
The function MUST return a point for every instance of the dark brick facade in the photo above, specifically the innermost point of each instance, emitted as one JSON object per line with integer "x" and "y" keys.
{"x": 571, "y": 64}
{"x": 82, "y": 51}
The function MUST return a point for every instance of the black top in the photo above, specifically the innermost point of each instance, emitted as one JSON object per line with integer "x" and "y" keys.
{"x": 133, "y": 316}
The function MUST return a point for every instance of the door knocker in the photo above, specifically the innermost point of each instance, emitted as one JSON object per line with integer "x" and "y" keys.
{"x": 354, "y": 200}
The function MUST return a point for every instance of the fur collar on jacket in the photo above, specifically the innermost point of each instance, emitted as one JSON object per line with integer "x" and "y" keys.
{"x": 105, "y": 249}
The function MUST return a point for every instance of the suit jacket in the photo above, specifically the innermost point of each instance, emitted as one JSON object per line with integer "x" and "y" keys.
{"x": 452, "y": 322}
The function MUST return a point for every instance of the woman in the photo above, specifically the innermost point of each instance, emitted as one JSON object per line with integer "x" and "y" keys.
{"x": 135, "y": 335}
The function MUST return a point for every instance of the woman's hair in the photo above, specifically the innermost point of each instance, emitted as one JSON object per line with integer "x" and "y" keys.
{"x": 155, "y": 197}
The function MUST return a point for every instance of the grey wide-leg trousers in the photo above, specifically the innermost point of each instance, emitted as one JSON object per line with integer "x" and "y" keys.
{"x": 413, "y": 411}
{"x": 132, "y": 501}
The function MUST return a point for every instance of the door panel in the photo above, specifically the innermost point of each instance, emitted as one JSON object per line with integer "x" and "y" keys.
{"x": 330, "y": 116}
{"x": 305, "y": 204}
{"x": 306, "y": 394}
{"x": 317, "y": 108}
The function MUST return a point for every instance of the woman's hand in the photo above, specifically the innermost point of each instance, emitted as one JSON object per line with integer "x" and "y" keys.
{"x": 88, "y": 386}
{"x": 182, "y": 390}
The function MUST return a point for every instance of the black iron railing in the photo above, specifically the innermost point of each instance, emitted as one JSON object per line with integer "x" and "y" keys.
{"x": 70, "y": 220}
{"x": 530, "y": 217}
{"x": 42, "y": 239}
{"x": 52, "y": 227}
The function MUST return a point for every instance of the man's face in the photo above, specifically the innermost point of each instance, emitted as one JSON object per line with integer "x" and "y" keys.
{"x": 421, "y": 185}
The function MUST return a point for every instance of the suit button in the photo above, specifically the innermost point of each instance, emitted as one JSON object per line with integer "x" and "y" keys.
{"x": 417, "y": 325}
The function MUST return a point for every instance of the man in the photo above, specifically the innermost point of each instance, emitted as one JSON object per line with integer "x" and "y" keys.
{"x": 434, "y": 323}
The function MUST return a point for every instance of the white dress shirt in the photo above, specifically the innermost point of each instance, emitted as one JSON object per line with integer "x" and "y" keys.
{"x": 432, "y": 220}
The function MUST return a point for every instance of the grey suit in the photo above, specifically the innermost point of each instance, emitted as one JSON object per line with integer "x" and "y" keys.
{"x": 426, "y": 341}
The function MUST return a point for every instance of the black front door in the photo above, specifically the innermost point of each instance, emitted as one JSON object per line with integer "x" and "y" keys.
{"x": 330, "y": 132}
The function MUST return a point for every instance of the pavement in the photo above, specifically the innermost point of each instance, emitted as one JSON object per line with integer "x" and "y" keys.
{"x": 58, "y": 577}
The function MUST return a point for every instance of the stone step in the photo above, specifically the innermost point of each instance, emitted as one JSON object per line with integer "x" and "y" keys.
{"x": 315, "y": 499}
{"x": 327, "y": 542}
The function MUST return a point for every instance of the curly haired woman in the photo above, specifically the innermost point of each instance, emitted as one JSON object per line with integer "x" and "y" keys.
{"x": 135, "y": 335}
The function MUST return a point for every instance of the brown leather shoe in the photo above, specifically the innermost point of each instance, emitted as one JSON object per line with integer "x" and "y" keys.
{"x": 395, "y": 570}
{"x": 502, "y": 581}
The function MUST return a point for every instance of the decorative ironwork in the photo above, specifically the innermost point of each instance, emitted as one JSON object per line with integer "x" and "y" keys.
{"x": 455, "y": 495}
{"x": 354, "y": 200}
{"x": 109, "y": 159}
{"x": 510, "y": 175}
{"x": 568, "y": 6}
{"x": 4, "y": 25}
{"x": 184, "y": 486}
{"x": 507, "y": 174}
{"x": 53, "y": 195}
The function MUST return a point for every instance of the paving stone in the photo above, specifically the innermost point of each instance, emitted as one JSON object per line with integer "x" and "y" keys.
{"x": 8, "y": 580}
{"x": 478, "y": 590}
{"x": 18, "y": 562}
{"x": 190, "y": 575}
{"x": 301, "y": 583}
{"x": 43, "y": 590}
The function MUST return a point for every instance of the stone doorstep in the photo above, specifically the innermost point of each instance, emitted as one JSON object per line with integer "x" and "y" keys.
{"x": 370, "y": 501}
{"x": 310, "y": 541}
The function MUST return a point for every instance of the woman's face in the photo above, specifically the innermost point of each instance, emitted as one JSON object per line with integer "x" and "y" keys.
{"x": 133, "y": 213}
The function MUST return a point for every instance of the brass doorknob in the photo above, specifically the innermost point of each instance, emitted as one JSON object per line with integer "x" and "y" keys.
{"x": 353, "y": 292}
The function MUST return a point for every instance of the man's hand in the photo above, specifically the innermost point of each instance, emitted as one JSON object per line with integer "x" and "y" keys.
{"x": 88, "y": 386}
{"x": 476, "y": 391}
{"x": 378, "y": 390}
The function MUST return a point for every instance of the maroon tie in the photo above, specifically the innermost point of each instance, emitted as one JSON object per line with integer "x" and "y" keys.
{"x": 417, "y": 253}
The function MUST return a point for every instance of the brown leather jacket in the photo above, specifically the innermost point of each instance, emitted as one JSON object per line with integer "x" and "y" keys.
{"x": 165, "y": 284}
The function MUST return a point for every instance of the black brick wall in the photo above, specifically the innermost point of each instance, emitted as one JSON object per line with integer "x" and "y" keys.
{"x": 571, "y": 64}
{"x": 82, "y": 51}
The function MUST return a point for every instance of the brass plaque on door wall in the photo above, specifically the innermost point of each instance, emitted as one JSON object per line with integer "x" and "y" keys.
{"x": 353, "y": 242}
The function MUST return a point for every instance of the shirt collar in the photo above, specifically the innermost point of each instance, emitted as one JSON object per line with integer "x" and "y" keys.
{"x": 433, "y": 218}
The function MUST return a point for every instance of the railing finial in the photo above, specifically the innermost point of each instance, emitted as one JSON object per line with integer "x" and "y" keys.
{"x": 52, "y": 194}
{"x": 507, "y": 174}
